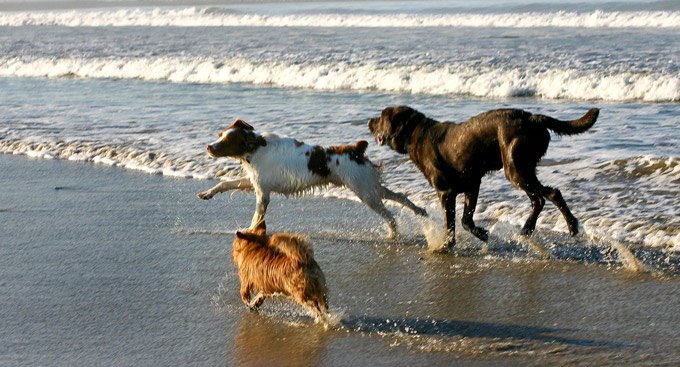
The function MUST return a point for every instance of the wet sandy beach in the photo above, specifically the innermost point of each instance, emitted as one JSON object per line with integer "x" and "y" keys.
{"x": 101, "y": 266}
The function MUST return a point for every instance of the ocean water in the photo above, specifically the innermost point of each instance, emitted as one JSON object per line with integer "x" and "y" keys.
{"x": 146, "y": 87}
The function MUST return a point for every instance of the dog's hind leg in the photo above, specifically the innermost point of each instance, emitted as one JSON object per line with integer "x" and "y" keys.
{"x": 533, "y": 188}
{"x": 555, "y": 196}
{"x": 524, "y": 177}
{"x": 537, "y": 203}
{"x": 520, "y": 170}
{"x": 371, "y": 195}
{"x": 402, "y": 199}
{"x": 378, "y": 207}
{"x": 468, "y": 212}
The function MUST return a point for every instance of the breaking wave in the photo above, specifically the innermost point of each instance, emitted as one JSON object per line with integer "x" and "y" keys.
{"x": 428, "y": 79}
{"x": 666, "y": 169}
{"x": 217, "y": 17}
{"x": 124, "y": 156}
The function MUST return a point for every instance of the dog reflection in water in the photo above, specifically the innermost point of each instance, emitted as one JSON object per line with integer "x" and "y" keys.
{"x": 280, "y": 264}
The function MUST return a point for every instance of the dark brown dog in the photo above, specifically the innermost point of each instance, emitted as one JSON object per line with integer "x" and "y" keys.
{"x": 455, "y": 157}
{"x": 279, "y": 264}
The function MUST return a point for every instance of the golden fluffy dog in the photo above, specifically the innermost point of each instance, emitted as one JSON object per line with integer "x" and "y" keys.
{"x": 280, "y": 264}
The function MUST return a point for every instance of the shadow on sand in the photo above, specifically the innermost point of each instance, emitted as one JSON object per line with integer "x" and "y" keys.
{"x": 470, "y": 329}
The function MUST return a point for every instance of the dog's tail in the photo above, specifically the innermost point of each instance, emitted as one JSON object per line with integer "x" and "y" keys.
{"x": 568, "y": 127}
{"x": 360, "y": 147}
{"x": 293, "y": 246}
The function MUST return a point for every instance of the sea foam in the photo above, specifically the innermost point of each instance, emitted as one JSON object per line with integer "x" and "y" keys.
{"x": 419, "y": 79}
{"x": 209, "y": 17}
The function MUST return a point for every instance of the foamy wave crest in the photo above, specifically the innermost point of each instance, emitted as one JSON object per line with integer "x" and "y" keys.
{"x": 111, "y": 155}
{"x": 209, "y": 17}
{"x": 429, "y": 79}
{"x": 661, "y": 169}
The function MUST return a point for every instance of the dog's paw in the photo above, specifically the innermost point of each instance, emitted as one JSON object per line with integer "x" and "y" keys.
{"x": 526, "y": 231}
{"x": 574, "y": 227}
{"x": 478, "y": 232}
{"x": 205, "y": 195}
{"x": 481, "y": 233}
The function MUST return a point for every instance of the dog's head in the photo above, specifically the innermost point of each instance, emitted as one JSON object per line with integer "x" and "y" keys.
{"x": 395, "y": 126}
{"x": 236, "y": 141}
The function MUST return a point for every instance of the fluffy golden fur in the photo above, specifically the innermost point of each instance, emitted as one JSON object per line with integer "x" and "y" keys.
{"x": 280, "y": 264}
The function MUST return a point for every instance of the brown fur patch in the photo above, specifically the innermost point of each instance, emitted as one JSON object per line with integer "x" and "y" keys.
{"x": 355, "y": 151}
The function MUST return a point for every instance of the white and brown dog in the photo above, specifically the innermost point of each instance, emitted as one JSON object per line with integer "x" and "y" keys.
{"x": 288, "y": 166}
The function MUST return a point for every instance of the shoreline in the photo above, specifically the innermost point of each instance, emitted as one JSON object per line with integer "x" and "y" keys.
{"x": 505, "y": 243}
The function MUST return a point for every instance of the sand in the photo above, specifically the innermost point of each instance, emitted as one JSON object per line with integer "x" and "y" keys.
{"x": 101, "y": 266}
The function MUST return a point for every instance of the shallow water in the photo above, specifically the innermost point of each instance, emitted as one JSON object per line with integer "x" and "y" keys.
{"x": 123, "y": 268}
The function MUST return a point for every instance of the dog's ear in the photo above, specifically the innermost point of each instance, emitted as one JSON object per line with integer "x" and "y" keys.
{"x": 238, "y": 123}
{"x": 403, "y": 121}
{"x": 402, "y": 115}
{"x": 254, "y": 141}
{"x": 251, "y": 237}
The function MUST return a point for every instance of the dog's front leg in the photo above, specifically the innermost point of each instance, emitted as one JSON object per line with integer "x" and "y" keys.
{"x": 262, "y": 202}
{"x": 257, "y": 301}
{"x": 239, "y": 184}
{"x": 469, "y": 211}
{"x": 448, "y": 202}
{"x": 245, "y": 293}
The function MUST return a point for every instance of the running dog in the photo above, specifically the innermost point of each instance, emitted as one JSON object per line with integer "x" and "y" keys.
{"x": 288, "y": 166}
{"x": 455, "y": 157}
{"x": 280, "y": 264}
